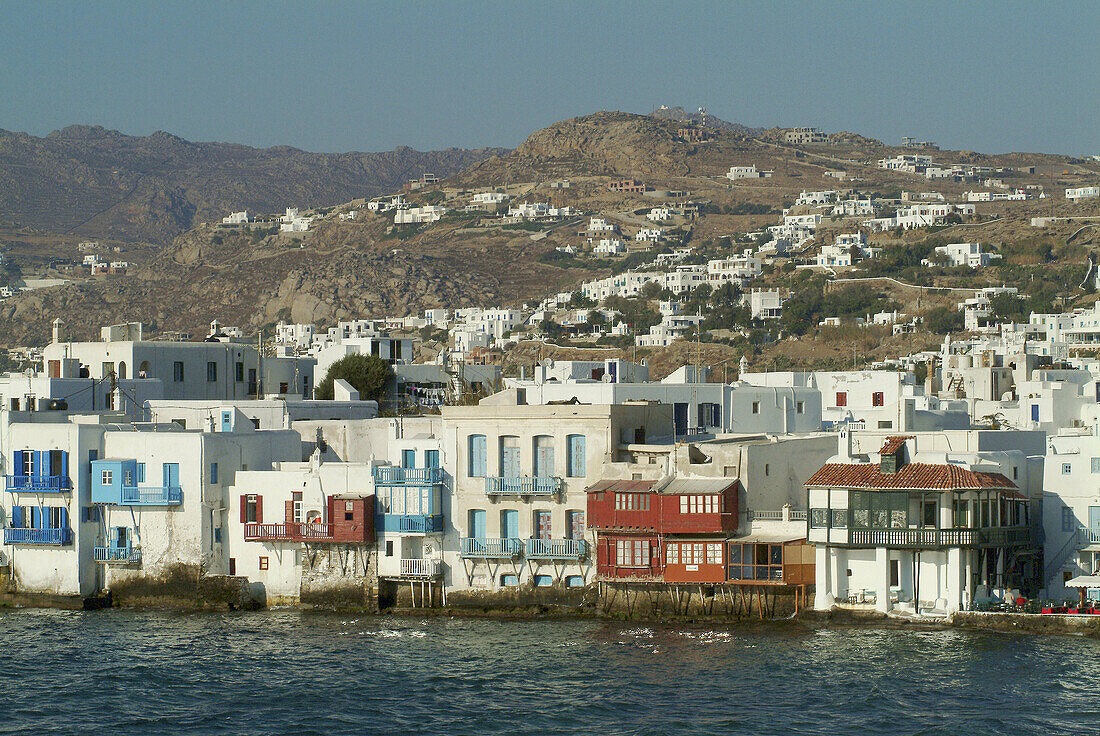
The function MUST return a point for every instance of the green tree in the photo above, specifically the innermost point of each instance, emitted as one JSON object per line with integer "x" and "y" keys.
{"x": 943, "y": 320}
{"x": 368, "y": 374}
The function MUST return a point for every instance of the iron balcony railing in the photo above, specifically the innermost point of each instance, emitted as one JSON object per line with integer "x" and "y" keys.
{"x": 386, "y": 475}
{"x": 289, "y": 532}
{"x": 420, "y": 568}
{"x": 522, "y": 486}
{"x": 934, "y": 538}
{"x": 152, "y": 495}
{"x": 505, "y": 548}
{"x": 556, "y": 549}
{"x": 117, "y": 554}
{"x": 57, "y": 537}
{"x": 40, "y": 483}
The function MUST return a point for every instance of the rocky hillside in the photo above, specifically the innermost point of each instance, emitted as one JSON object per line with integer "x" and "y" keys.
{"x": 100, "y": 183}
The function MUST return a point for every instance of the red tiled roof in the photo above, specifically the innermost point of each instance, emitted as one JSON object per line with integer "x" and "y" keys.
{"x": 893, "y": 444}
{"x": 623, "y": 486}
{"x": 914, "y": 476}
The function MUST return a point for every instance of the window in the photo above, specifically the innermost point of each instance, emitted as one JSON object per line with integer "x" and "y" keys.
{"x": 928, "y": 518}
{"x": 177, "y": 371}
{"x": 477, "y": 456}
{"x": 819, "y": 518}
{"x": 1066, "y": 468}
{"x": 509, "y": 581}
{"x": 1068, "y": 524}
{"x": 251, "y": 509}
{"x": 232, "y": 566}
{"x": 218, "y": 534}
{"x": 543, "y": 581}
{"x": 263, "y": 563}
{"x": 767, "y": 469}
{"x": 714, "y": 554}
{"x": 895, "y": 573}
{"x": 839, "y": 518}
{"x": 389, "y": 548}
{"x": 960, "y": 509}
{"x": 672, "y": 554}
{"x": 574, "y": 581}
{"x": 632, "y": 553}
{"x": 238, "y": 372}
{"x": 699, "y": 504}
{"x": 128, "y": 478}
{"x": 90, "y": 513}
{"x": 842, "y": 398}
{"x": 1096, "y": 465}
{"x": 1016, "y": 473}
{"x": 756, "y": 407}
{"x": 632, "y": 502}
{"x": 213, "y": 473}
{"x": 211, "y": 371}
{"x": 349, "y": 511}
{"x": 885, "y": 424}
{"x": 141, "y": 472}
{"x": 877, "y": 399}
{"x": 106, "y": 477}
{"x": 296, "y": 497}
{"x": 800, "y": 407}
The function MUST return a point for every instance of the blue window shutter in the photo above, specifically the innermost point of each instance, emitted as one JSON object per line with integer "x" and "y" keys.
{"x": 20, "y": 468}
{"x": 63, "y": 520}
{"x": 141, "y": 472}
{"x": 112, "y": 537}
{"x": 17, "y": 517}
{"x": 64, "y": 462}
{"x": 36, "y": 517}
{"x": 38, "y": 464}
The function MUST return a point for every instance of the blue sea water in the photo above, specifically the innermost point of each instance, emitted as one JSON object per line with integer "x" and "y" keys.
{"x": 118, "y": 672}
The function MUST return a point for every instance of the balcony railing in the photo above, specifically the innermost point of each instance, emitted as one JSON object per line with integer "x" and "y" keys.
{"x": 522, "y": 486}
{"x": 55, "y": 537}
{"x": 1088, "y": 536}
{"x": 419, "y": 524}
{"x": 38, "y": 483}
{"x": 769, "y": 515}
{"x": 504, "y": 548}
{"x": 151, "y": 495}
{"x": 420, "y": 568}
{"x": 289, "y": 532}
{"x": 117, "y": 554}
{"x": 934, "y": 538}
{"x": 389, "y": 476}
{"x": 556, "y": 549}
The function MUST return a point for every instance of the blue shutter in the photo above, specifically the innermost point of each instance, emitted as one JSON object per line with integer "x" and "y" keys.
{"x": 20, "y": 468}
{"x": 63, "y": 518}
{"x": 408, "y": 458}
{"x": 141, "y": 473}
{"x": 36, "y": 517}
{"x": 576, "y": 456}
{"x": 112, "y": 536}
{"x": 17, "y": 517}
{"x": 477, "y": 455}
{"x": 38, "y": 464}
{"x": 64, "y": 462}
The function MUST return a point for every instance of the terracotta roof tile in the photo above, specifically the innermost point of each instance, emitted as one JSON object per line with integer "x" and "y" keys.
{"x": 914, "y": 476}
{"x": 893, "y": 444}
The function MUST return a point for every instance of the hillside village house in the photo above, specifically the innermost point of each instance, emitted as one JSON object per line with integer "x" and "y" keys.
{"x": 765, "y": 304}
{"x": 964, "y": 254}
{"x": 804, "y": 136}
{"x": 746, "y": 172}
{"x": 1074, "y": 194}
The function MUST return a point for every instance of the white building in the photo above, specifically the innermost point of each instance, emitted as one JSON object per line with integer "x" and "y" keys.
{"x": 416, "y": 215}
{"x": 746, "y": 172}
{"x": 650, "y": 235}
{"x": 765, "y": 304}
{"x": 236, "y": 218}
{"x": 1077, "y": 193}
{"x": 964, "y": 254}
{"x": 609, "y": 247}
{"x": 659, "y": 214}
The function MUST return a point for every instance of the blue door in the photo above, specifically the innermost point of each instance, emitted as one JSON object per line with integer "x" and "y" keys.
{"x": 431, "y": 458}
{"x": 509, "y": 462}
{"x": 478, "y": 456}
{"x": 408, "y": 458}
{"x": 576, "y": 451}
{"x": 477, "y": 523}
{"x": 227, "y": 421}
{"x": 544, "y": 461}
{"x": 1034, "y": 412}
{"x": 680, "y": 418}
{"x": 509, "y": 524}
{"x": 171, "y": 475}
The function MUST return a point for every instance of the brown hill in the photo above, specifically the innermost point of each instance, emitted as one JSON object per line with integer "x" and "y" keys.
{"x": 101, "y": 183}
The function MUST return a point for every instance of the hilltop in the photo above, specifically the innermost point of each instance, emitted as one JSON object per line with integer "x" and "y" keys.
{"x": 94, "y": 182}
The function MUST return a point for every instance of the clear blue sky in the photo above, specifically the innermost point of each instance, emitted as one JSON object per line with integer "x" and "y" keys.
{"x": 353, "y": 76}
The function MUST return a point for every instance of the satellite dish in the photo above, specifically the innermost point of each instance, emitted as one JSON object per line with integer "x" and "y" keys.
{"x": 607, "y": 378}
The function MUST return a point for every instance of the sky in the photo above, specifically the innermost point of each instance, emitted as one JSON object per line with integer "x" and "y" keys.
{"x": 336, "y": 76}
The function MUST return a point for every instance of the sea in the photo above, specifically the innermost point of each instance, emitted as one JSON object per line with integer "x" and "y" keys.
{"x": 283, "y": 672}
